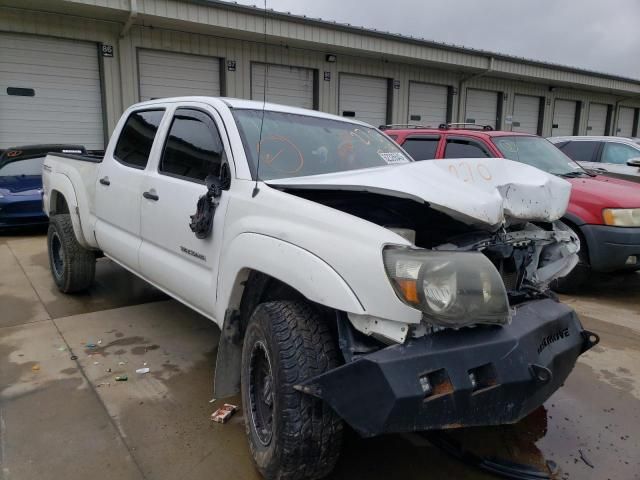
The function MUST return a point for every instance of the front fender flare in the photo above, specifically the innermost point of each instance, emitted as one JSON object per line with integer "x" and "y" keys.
{"x": 299, "y": 268}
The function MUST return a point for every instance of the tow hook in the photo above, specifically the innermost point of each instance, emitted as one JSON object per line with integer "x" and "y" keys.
{"x": 589, "y": 340}
{"x": 540, "y": 374}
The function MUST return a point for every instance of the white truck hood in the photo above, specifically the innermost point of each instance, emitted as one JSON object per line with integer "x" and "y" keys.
{"x": 485, "y": 191}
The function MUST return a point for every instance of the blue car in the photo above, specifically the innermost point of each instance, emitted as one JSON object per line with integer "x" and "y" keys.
{"x": 21, "y": 183}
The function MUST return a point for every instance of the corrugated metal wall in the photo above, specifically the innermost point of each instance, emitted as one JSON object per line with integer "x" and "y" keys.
{"x": 120, "y": 72}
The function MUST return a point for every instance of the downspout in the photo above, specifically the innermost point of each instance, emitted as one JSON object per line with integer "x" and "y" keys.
{"x": 133, "y": 14}
{"x": 616, "y": 109}
{"x": 466, "y": 79}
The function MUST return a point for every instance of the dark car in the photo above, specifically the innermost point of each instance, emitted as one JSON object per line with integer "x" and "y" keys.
{"x": 603, "y": 211}
{"x": 21, "y": 183}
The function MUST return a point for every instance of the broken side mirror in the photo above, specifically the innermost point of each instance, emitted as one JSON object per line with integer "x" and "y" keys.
{"x": 202, "y": 221}
{"x": 634, "y": 162}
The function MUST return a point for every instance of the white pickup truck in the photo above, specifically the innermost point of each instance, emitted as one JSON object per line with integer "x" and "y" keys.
{"x": 351, "y": 284}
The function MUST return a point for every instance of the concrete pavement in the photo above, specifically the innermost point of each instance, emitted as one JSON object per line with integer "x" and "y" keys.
{"x": 68, "y": 418}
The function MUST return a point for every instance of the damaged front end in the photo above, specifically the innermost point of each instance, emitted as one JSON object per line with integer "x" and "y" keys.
{"x": 493, "y": 343}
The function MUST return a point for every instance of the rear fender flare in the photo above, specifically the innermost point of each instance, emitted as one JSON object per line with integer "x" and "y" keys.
{"x": 63, "y": 186}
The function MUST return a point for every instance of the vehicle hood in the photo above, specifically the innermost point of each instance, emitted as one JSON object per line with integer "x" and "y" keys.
{"x": 606, "y": 192}
{"x": 487, "y": 191}
{"x": 21, "y": 185}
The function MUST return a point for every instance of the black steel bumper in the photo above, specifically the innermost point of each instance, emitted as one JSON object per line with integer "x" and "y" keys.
{"x": 426, "y": 383}
{"x": 610, "y": 247}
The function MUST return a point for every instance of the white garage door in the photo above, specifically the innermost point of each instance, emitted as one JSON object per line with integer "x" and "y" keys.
{"x": 564, "y": 118}
{"x": 168, "y": 74}
{"x": 363, "y": 98}
{"x": 597, "y": 119}
{"x": 427, "y": 104}
{"x": 526, "y": 113}
{"x": 49, "y": 92}
{"x": 285, "y": 85}
{"x": 625, "y": 122}
{"x": 482, "y": 107}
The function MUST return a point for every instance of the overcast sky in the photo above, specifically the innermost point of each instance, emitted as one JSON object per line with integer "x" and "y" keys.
{"x": 601, "y": 35}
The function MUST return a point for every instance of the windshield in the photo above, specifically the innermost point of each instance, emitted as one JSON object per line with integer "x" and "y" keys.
{"x": 298, "y": 145}
{"x": 31, "y": 166}
{"x": 539, "y": 153}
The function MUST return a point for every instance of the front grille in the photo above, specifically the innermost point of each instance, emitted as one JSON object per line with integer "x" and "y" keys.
{"x": 33, "y": 206}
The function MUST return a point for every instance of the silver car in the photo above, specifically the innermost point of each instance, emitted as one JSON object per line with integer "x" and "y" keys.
{"x": 618, "y": 156}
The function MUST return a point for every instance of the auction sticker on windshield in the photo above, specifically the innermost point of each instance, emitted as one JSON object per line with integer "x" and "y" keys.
{"x": 393, "y": 158}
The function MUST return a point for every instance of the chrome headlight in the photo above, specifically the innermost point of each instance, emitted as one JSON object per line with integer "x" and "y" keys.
{"x": 452, "y": 289}
{"x": 621, "y": 217}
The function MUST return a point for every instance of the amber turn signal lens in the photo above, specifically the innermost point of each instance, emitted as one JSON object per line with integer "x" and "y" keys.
{"x": 409, "y": 290}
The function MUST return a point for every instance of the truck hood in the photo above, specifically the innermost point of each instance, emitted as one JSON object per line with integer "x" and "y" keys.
{"x": 486, "y": 191}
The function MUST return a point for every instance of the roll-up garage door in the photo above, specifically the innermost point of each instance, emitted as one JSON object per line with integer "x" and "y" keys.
{"x": 526, "y": 114}
{"x": 49, "y": 92}
{"x": 363, "y": 98}
{"x": 597, "y": 119}
{"x": 427, "y": 104}
{"x": 564, "y": 117}
{"x": 168, "y": 74}
{"x": 625, "y": 122}
{"x": 291, "y": 86}
{"x": 482, "y": 107}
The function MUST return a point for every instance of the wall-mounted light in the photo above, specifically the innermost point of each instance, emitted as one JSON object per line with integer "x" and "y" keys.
{"x": 331, "y": 58}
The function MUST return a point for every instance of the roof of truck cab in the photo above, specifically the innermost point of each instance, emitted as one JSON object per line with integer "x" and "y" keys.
{"x": 242, "y": 104}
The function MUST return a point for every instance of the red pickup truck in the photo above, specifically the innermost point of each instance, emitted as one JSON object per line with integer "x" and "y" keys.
{"x": 604, "y": 211}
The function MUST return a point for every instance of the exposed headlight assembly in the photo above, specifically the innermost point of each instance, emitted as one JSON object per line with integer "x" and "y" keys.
{"x": 452, "y": 289}
{"x": 621, "y": 217}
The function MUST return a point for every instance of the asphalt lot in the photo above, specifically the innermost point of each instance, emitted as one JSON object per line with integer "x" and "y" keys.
{"x": 68, "y": 418}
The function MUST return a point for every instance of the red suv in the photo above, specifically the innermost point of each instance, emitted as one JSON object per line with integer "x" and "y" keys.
{"x": 604, "y": 211}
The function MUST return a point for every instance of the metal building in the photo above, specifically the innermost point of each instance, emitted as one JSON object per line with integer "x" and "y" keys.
{"x": 68, "y": 68}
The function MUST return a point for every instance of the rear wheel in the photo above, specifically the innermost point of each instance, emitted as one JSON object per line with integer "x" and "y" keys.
{"x": 72, "y": 266}
{"x": 292, "y": 435}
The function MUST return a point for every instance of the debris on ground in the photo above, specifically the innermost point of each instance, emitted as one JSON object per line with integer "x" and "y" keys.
{"x": 99, "y": 342}
{"x": 74, "y": 357}
{"x": 122, "y": 378}
{"x": 212, "y": 400}
{"x": 585, "y": 459}
{"x": 105, "y": 384}
{"x": 108, "y": 370}
{"x": 91, "y": 345}
{"x": 96, "y": 363}
{"x": 224, "y": 413}
{"x": 62, "y": 349}
{"x": 121, "y": 363}
{"x": 143, "y": 370}
{"x": 35, "y": 368}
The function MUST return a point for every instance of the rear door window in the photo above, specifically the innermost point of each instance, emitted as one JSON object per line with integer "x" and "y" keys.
{"x": 618, "y": 153}
{"x": 465, "y": 148}
{"x": 580, "y": 151}
{"x": 193, "y": 149}
{"x": 421, "y": 148}
{"x": 136, "y": 138}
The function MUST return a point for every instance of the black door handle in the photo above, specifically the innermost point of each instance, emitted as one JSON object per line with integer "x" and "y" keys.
{"x": 151, "y": 196}
{"x": 105, "y": 181}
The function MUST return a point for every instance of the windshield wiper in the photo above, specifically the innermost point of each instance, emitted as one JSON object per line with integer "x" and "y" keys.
{"x": 574, "y": 174}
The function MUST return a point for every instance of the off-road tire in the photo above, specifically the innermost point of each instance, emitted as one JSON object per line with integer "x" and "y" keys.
{"x": 73, "y": 267}
{"x": 306, "y": 434}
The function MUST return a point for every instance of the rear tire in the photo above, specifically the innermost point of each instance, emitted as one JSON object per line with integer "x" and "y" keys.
{"x": 72, "y": 266}
{"x": 291, "y": 435}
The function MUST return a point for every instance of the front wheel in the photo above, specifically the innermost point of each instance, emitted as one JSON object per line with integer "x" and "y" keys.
{"x": 291, "y": 435}
{"x": 72, "y": 266}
